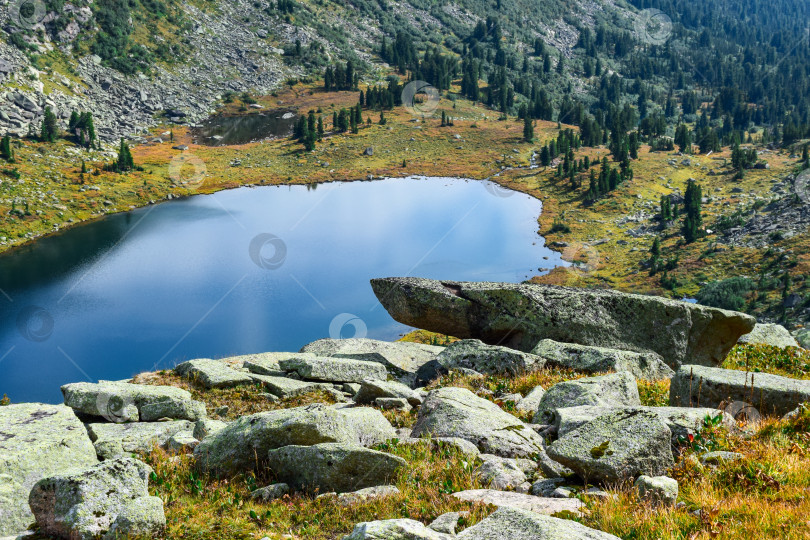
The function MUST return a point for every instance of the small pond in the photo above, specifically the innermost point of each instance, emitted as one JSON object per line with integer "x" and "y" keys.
{"x": 241, "y": 129}
{"x": 244, "y": 271}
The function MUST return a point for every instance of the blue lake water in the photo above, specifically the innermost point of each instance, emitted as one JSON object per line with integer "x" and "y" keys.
{"x": 244, "y": 271}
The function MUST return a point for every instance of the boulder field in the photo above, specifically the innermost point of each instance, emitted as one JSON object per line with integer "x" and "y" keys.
{"x": 74, "y": 468}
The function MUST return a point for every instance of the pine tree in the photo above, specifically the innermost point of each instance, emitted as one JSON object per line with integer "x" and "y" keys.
{"x": 73, "y": 123}
{"x": 528, "y": 129}
{"x": 382, "y": 118}
{"x": 805, "y": 157}
{"x": 48, "y": 131}
{"x": 320, "y": 128}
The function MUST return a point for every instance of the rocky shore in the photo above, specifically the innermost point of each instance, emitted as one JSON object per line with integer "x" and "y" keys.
{"x": 76, "y": 470}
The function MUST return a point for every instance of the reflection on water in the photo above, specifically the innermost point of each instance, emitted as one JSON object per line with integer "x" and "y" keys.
{"x": 245, "y": 271}
{"x": 223, "y": 130}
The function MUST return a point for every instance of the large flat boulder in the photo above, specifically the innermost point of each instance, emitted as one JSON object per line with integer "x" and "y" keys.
{"x": 36, "y": 441}
{"x": 457, "y": 412}
{"x": 401, "y": 358}
{"x": 266, "y": 363}
{"x": 332, "y": 467}
{"x": 520, "y": 315}
{"x": 320, "y": 368}
{"x": 699, "y": 386}
{"x": 510, "y": 499}
{"x": 516, "y": 524}
{"x": 125, "y": 402}
{"x": 613, "y": 390}
{"x": 769, "y": 334}
{"x": 86, "y": 503}
{"x": 491, "y": 359}
{"x": 285, "y": 387}
{"x": 617, "y": 446}
{"x": 244, "y": 444}
{"x": 681, "y": 421}
{"x": 648, "y": 365}
{"x": 212, "y": 373}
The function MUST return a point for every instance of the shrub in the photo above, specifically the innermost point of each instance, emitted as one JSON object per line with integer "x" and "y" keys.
{"x": 726, "y": 294}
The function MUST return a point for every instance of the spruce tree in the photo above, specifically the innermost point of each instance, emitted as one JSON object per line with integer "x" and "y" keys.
{"x": 320, "y": 128}
{"x": 48, "y": 131}
{"x": 5, "y": 148}
{"x": 382, "y": 118}
{"x": 805, "y": 157}
{"x": 692, "y": 221}
{"x": 125, "y": 161}
{"x": 528, "y": 129}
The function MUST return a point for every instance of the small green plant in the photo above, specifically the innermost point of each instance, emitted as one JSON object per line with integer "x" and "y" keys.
{"x": 601, "y": 450}
{"x": 5, "y": 400}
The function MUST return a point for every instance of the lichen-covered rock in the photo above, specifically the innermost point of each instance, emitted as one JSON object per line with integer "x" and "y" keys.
{"x": 617, "y": 446}
{"x": 338, "y": 467}
{"x": 395, "y": 529}
{"x": 457, "y": 412}
{"x": 125, "y": 402}
{"x": 402, "y": 359}
{"x": 539, "y": 505}
{"x": 615, "y": 389}
{"x": 490, "y": 359}
{"x": 657, "y": 489}
{"x": 36, "y": 441}
{"x": 520, "y": 315}
{"x": 243, "y": 444}
{"x": 212, "y": 373}
{"x": 319, "y": 368}
{"x": 447, "y": 523}
{"x": 646, "y": 365}
{"x": 371, "y": 390}
{"x": 84, "y": 503}
{"x": 681, "y": 421}
{"x": 517, "y": 524}
{"x": 698, "y": 386}
{"x": 182, "y": 441}
{"x": 142, "y": 517}
{"x": 266, "y": 363}
{"x": 113, "y": 439}
{"x": 769, "y": 334}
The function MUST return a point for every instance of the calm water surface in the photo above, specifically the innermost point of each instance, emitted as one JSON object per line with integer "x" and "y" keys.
{"x": 245, "y": 271}
{"x": 222, "y": 130}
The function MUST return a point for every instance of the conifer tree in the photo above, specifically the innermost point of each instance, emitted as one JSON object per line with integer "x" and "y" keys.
{"x": 125, "y": 161}
{"x": 528, "y": 129}
{"x": 48, "y": 131}
{"x": 5, "y": 148}
{"x": 692, "y": 221}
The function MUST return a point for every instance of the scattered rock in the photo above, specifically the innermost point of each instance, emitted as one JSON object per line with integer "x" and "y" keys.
{"x": 490, "y": 359}
{"x": 112, "y": 440}
{"x": 284, "y": 387}
{"x": 681, "y": 421}
{"x": 769, "y": 334}
{"x": 142, "y": 517}
{"x": 182, "y": 441}
{"x": 519, "y": 524}
{"x": 457, "y": 412}
{"x": 718, "y": 457}
{"x": 212, "y": 373}
{"x": 500, "y": 474}
{"x": 447, "y": 523}
{"x": 36, "y": 441}
{"x": 334, "y": 369}
{"x": 531, "y": 402}
{"x": 648, "y": 366}
{"x": 205, "y": 427}
{"x": 371, "y": 390}
{"x": 616, "y": 446}
{"x": 394, "y": 529}
{"x": 268, "y": 363}
{"x": 244, "y": 443}
{"x": 402, "y": 359}
{"x": 520, "y": 315}
{"x": 615, "y": 389}
{"x": 392, "y": 403}
{"x": 85, "y": 503}
{"x": 546, "y": 486}
{"x": 702, "y": 386}
{"x": 367, "y": 494}
{"x": 338, "y": 467}
{"x": 658, "y": 489}
{"x": 271, "y": 492}
{"x": 125, "y": 402}
{"x": 540, "y": 505}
